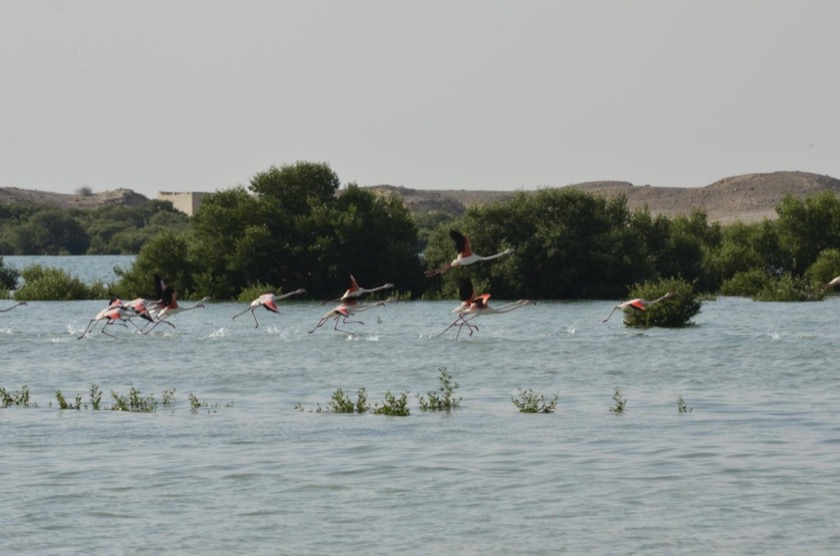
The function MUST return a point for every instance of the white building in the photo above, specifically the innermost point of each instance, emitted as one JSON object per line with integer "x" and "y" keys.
{"x": 186, "y": 202}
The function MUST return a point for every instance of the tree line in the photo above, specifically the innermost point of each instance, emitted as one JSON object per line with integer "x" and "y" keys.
{"x": 30, "y": 229}
{"x": 296, "y": 227}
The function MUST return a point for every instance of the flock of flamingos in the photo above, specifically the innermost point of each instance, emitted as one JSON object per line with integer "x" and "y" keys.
{"x": 473, "y": 305}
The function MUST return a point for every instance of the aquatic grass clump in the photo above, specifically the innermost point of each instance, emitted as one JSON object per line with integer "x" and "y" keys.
{"x": 341, "y": 403}
{"x": 64, "y": 404}
{"x": 134, "y": 402}
{"x": 19, "y": 398}
{"x": 619, "y": 401}
{"x": 393, "y": 405}
{"x": 531, "y": 401}
{"x": 445, "y": 400}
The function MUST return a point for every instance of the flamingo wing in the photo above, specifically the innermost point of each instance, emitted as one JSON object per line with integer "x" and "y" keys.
{"x": 462, "y": 243}
{"x": 466, "y": 291}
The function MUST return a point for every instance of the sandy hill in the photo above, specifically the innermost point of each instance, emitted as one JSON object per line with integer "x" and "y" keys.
{"x": 749, "y": 198}
{"x": 125, "y": 197}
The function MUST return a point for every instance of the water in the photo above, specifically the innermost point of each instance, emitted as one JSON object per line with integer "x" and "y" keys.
{"x": 751, "y": 470}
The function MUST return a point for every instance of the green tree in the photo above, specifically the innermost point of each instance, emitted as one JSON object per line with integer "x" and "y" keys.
{"x": 807, "y": 227}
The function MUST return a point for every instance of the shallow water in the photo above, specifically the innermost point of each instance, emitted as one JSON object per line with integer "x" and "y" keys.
{"x": 752, "y": 469}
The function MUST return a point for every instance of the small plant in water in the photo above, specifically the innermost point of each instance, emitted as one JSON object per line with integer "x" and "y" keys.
{"x": 393, "y": 405}
{"x": 95, "y": 396}
{"x": 340, "y": 403}
{"x": 446, "y": 401}
{"x": 19, "y": 398}
{"x": 134, "y": 402}
{"x": 64, "y": 404}
{"x": 534, "y": 402}
{"x": 196, "y": 404}
{"x": 168, "y": 397}
{"x": 620, "y": 402}
{"x": 681, "y": 407}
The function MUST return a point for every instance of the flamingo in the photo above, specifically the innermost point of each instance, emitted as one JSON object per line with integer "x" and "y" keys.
{"x": 834, "y": 282}
{"x": 477, "y": 305}
{"x": 269, "y": 301}
{"x": 355, "y": 291}
{"x": 346, "y": 310}
{"x": 18, "y": 304}
{"x": 169, "y": 303}
{"x": 144, "y": 309}
{"x": 115, "y": 311}
{"x": 465, "y": 254}
{"x": 639, "y": 304}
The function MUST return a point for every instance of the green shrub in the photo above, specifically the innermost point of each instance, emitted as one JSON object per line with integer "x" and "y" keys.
{"x": 19, "y": 398}
{"x": 746, "y": 283}
{"x": 786, "y": 288}
{"x": 674, "y": 312}
{"x": 134, "y": 402}
{"x": 253, "y": 291}
{"x": 56, "y": 284}
{"x": 446, "y": 400}
{"x": 534, "y": 402}
{"x": 619, "y": 401}
{"x": 393, "y": 405}
{"x": 8, "y": 277}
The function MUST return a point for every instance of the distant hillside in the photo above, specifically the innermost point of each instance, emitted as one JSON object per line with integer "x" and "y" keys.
{"x": 748, "y": 198}
{"x": 124, "y": 197}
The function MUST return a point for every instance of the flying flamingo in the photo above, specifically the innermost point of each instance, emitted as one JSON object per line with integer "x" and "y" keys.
{"x": 465, "y": 254}
{"x": 639, "y": 304}
{"x": 834, "y": 282}
{"x": 18, "y": 304}
{"x": 169, "y": 303}
{"x": 114, "y": 312}
{"x": 346, "y": 310}
{"x": 269, "y": 301}
{"x": 144, "y": 309}
{"x": 474, "y": 305}
{"x": 355, "y": 291}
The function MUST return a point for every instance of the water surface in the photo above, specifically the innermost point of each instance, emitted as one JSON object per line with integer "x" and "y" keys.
{"x": 752, "y": 469}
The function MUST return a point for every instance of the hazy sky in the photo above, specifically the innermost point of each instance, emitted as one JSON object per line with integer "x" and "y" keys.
{"x": 182, "y": 95}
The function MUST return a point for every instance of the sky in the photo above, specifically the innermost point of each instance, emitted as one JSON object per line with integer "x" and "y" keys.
{"x": 192, "y": 95}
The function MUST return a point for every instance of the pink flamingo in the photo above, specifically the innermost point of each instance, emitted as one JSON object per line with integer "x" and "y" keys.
{"x": 169, "y": 304}
{"x": 639, "y": 304}
{"x": 346, "y": 310}
{"x": 18, "y": 304}
{"x": 114, "y": 312}
{"x": 269, "y": 301}
{"x": 355, "y": 291}
{"x": 465, "y": 255}
{"x": 474, "y": 305}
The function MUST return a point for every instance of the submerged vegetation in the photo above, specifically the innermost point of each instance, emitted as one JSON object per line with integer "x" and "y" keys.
{"x": 530, "y": 401}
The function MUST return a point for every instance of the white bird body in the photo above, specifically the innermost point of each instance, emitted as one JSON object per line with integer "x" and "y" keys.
{"x": 473, "y": 306}
{"x": 346, "y": 310}
{"x": 465, "y": 255}
{"x": 638, "y": 304}
{"x": 269, "y": 301}
{"x": 355, "y": 291}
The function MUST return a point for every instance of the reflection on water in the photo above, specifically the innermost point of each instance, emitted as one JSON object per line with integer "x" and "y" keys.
{"x": 752, "y": 469}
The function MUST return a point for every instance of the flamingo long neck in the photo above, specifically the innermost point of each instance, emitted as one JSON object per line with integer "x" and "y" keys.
{"x": 497, "y": 255}
{"x": 511, "y": 306}
{"x": 658, "y": 299}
